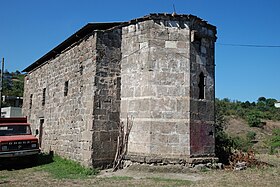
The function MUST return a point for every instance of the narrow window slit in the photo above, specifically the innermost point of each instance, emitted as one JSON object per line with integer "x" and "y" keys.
{"x": 201, "y": 86}
{"x": 66, "y": 85}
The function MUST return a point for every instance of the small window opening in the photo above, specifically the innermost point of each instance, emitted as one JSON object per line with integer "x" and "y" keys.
{"x": 201, "y": 86}
{"x": 30, "y": 101}
{"x": 66, "y": 84}
{"x": 44, "y": 97}
{"x": 81, "y": 69}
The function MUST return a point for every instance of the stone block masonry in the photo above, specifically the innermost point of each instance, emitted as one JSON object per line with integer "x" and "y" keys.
{"x": 157, "y": 71}
{"x": 106, "y": 109}
{"x": 82, "y": 124}
{"x": 162, "y": 59}
{"x": 67, "y": 127}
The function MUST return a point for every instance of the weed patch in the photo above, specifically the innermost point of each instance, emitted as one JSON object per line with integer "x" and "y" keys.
{"x": 3, "y": 177}
{"x": 62, "y": 168}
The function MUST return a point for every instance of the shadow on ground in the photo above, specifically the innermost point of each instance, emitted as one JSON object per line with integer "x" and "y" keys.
{"x": 25, "y": 162}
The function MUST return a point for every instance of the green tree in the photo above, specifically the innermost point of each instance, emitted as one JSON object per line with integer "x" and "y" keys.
{"x": 270, "y": 102}
{"x": 253, "y": 119}
{"x": 253, "y": 112}
{"x": 223, "y": 143}
{"x": 261, "y": 99}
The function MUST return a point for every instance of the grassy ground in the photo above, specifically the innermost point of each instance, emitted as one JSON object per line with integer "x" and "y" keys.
{"x": 61, "y": 168}
{"x": 49, "y": 174}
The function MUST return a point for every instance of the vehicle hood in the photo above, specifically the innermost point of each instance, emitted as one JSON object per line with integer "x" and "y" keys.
{"x": 17, "y": 138}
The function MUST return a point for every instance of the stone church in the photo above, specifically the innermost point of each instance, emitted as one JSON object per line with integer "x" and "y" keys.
{"x": 157, "y": 71}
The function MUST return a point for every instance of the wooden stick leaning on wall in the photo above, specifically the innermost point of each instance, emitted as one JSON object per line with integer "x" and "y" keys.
{"x": 122, "y": 143}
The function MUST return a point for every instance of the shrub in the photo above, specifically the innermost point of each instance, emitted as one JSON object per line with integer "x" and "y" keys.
{"x": 275, "y": 140}
{"x": 223, "y": 142}
{"x": 254, "y": 120}
{"x": 243, "y": 144}
{"x": 251, "y": 135}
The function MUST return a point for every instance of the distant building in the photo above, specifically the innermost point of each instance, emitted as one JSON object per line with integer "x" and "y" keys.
{"x": 8, "y": 112}
{"x": 277, "y": 104}
{"x": 13, "y": 101}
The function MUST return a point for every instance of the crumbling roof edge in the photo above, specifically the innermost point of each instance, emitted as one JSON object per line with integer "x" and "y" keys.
{"x": 166, "y": 16}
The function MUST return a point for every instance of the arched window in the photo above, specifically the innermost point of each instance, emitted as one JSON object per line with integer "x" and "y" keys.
{"x": 201, "y": 86}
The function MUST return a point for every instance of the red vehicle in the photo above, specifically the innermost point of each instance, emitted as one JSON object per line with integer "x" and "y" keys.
{"x": 16, "y": 139}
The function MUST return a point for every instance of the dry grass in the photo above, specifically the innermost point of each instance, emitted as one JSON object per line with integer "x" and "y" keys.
{"x": 262, "y": 176}
{"x": 265, "y": 176}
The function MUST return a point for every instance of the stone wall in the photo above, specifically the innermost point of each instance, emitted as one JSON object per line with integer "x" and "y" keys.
{"x": 155, "y": 88}
{"x": 67, "y": 116}
{"x": 202, "y": 109}
{"x": 107, "y": 97}
{"x": 159, "y": 95}
{"x": 81, "y": 124}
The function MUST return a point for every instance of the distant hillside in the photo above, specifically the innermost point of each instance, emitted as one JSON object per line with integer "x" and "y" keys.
{"x": 240, "y": 131}
{"x": 250, "y": 124}
{"x": 13, "y": 84}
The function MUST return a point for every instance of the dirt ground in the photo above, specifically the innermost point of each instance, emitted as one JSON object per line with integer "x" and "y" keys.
{"x": 139, "y": 175}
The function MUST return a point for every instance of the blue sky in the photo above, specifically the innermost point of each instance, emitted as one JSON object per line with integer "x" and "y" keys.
{"x": 30, "y": 28}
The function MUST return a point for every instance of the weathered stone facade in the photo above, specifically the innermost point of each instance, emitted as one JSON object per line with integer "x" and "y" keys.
{"x": 162, "y": 59}
{"x": 156, "y": 71}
